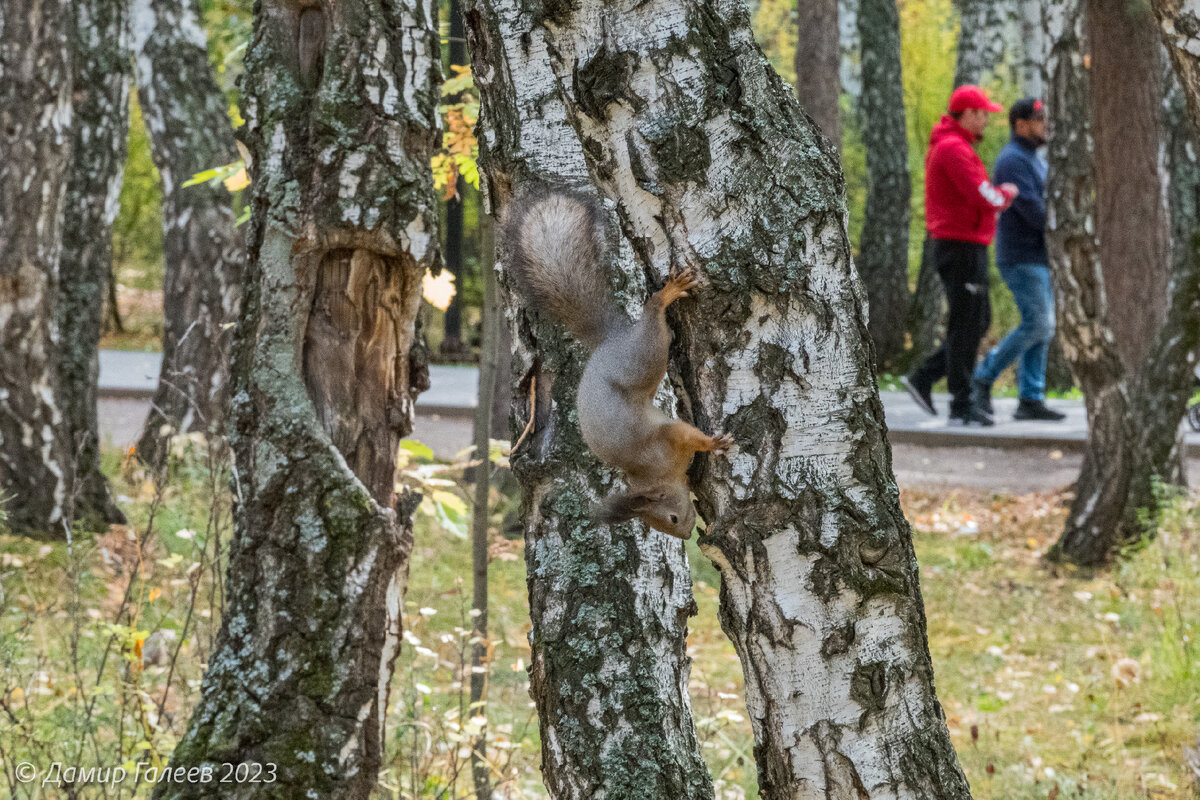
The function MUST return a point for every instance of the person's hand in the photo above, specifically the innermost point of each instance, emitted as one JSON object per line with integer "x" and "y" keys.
{"x": 1010, "y": 192}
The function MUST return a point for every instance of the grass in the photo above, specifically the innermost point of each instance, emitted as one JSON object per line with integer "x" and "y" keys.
{"x": 1054, "y": 683}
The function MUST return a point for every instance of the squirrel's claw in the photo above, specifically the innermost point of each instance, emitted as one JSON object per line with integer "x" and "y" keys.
{"x": 685, "y": 278}
{"x": 722, "y": 443}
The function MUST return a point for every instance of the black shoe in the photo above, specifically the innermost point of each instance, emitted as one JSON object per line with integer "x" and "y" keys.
{"x": 920, "y": 392}
{"x": 1036, "y": 409}
{"x": 972, "y": 416}
{"x": 981, "y": 395}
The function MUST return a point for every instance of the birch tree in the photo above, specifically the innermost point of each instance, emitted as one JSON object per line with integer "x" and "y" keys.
{"x": 1128, "y": 344}
{"x": 982, "y": 38}
{"x": 35, "y": 109}
{"x": 609, "y": 604}
{"x": 883, "y": 251}
{"x": 708, "y": 160}
{"x": 186, "y": 117}
{"x": 341, "y": 123}
{"x": 100, "y": 89}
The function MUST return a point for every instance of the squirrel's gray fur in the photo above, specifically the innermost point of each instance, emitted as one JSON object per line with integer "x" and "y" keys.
{"x": 554, "y": 243}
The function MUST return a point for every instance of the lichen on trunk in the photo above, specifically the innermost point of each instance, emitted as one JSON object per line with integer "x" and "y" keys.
{"x": 323, "y": 389}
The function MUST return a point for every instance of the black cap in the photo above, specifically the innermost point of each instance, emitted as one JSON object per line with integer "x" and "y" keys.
{"x": 1027, "y": 108}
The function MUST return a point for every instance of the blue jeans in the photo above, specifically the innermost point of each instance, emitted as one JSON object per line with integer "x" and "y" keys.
{"x": 1029, "y": 341}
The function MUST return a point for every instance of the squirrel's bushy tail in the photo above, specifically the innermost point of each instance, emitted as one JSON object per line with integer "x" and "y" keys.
{"x": 554, "y": 243}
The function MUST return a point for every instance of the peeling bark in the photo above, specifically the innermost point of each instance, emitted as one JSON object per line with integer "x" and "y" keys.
{"x": 883, "y": 251}
{"x": 341, "y": 128}
{"x": 35, "y": 123}
{"x": 190, "y": 131}
{"x": 101, "y": 124}
{"x": 818, "y": 65}
{"x": 708, "y": 159}
{"x": 1135, "y": 373}
{"x": 609, "y": 604}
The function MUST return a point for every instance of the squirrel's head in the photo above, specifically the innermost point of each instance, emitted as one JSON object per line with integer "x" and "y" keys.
{"x": 665, "y": 508}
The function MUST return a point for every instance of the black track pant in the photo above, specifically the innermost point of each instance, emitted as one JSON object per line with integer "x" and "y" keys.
{"x": 963, "y": 268}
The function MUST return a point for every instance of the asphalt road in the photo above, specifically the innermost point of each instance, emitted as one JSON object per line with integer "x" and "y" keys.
{"x": 1007, "y": 469}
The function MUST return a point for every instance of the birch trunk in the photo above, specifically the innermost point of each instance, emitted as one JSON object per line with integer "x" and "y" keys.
{"x": 1032, "y": 34}
{"x": 190, "y": 131}
{"x": 883, "y": 251}
{"x": 709, "y": 160}
{"x": 341, "y": 110}
{"x": 1135, "y": 373}
{"x": 35, "y": 112}
{"x": 982, "y": 38}
{"x": 818, "y": 64}
{"x": 609, "y": 604}
{"x": 101, "y": 124}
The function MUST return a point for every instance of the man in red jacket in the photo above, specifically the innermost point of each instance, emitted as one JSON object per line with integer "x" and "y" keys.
{"x": 961, "y": 206}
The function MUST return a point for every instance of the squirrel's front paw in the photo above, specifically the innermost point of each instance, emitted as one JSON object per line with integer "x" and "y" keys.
{"x": 722, "y": 443}
{"x": 685, "y": 279}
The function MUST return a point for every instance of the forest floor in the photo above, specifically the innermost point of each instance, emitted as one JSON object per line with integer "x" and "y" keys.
{"x": 1056, "y": 683}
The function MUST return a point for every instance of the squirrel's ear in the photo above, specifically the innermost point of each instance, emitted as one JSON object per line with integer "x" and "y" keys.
{"x": 622, "y": 507}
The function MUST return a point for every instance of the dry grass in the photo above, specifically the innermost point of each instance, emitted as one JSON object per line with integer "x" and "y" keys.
{"x": 1055, "y": 684}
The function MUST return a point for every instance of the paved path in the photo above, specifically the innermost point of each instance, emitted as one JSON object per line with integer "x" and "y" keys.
{"x": 452, "y": 396}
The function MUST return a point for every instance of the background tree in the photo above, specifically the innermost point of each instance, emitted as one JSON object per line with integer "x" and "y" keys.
{"x": 100, "y": 90}
{"x": 190, "y": 132}
{"x": 35, "y": 109}
{"x": 1128, "y": 344}
{"x": 342, "y": 122}
{"x": 982, "y": 38}
{"x": 818, "y": 63}
{"x": 818, "y": 581}
{"x": 609, "y": 604}
{"x": 883, "y": 252}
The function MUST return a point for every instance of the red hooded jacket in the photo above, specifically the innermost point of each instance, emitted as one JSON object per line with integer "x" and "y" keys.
{"x": 960, "y": 202}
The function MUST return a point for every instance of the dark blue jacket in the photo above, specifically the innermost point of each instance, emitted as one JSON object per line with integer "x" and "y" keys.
{"x": 1021, "y": 232}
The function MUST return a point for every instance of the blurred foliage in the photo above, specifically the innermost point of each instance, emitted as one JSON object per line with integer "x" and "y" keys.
{"x": 929, "y": 33}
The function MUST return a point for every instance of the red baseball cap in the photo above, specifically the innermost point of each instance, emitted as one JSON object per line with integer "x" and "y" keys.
{"x": 968, "y": 96}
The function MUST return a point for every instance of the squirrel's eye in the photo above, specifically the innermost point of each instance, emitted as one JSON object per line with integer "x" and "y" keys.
{"x": 674, "y": 519}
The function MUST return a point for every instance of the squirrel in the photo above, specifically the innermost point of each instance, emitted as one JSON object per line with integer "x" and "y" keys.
{"x": 554, "y": 241}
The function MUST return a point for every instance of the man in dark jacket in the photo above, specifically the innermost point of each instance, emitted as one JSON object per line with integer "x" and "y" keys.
{"x": 1024, "y": 265}
{"x": 961, "y": 205}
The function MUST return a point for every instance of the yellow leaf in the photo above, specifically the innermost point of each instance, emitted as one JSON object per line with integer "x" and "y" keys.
{"x": 438, "y": 291}
{"x": 154, "y": 594}
{"x": 237, "y": 181}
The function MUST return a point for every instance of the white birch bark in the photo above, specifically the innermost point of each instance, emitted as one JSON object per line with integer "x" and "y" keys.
{"x": 35, "y": 150}
{"x": 708, "y": 160}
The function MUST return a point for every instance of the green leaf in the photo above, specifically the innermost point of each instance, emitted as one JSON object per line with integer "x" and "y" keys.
{"x": 418, "y": 449}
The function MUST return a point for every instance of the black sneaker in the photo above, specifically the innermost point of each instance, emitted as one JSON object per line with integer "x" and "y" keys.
{"x": 972, "y": 416}
{"x": 981, "y": 395}
{"x": 1036, "y": 409}
{"x": 920, "y": 392}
